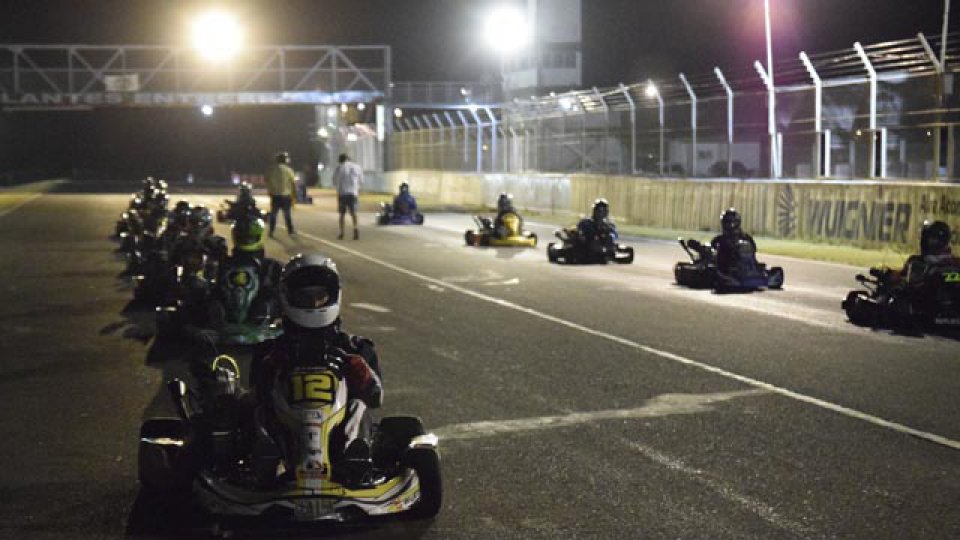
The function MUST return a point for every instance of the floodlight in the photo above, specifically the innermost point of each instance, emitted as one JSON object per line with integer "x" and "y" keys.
{"x": 361, "y": 106}
{"x": 207, "y": 110}
{"x": 397, "y": 112}
{"x": 651, "y": 90}
{"x": 217, "y": 35}
{"x": 506, "y": 29}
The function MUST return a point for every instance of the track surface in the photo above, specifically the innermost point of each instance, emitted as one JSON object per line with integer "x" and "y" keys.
{"x": 571, "y": 401}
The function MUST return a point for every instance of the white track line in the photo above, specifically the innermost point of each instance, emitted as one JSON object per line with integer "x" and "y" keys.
{"x": 846, "y": 411}
{"x": 16, "y": 206}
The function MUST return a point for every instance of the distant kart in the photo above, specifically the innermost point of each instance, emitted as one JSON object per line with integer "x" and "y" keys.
{"x": 486, "y": 234}
{"x": 747, "y": 275}
{"x": 232, "y": 211}
{"x": 931, "y": 301}
{"x": 387, "y": 215}
{"x": 576, "y": 250}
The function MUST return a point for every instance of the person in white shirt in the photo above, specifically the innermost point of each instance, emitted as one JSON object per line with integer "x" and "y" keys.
{"x": 347, "y": 179}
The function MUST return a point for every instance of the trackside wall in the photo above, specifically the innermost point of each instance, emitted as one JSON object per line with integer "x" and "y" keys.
{"x": 858, "y": 213}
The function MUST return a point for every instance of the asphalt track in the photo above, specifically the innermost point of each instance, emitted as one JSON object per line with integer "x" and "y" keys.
{"x": 589, "y": 402}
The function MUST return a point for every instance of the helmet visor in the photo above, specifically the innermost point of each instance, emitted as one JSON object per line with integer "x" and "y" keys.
{"x": 313, "y": 297}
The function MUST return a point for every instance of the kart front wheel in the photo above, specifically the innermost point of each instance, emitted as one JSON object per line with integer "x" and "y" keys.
{"x": 394, "y": 433}
{"x": 860, "y": 310}
{"x": 162, "y": 468}
{"x": 552, "y": 252}
{"x": 470, "y": 238}
{"x": 426, "y": 463}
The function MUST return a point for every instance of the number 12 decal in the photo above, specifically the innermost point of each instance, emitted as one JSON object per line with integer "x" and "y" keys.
{"x": 313, "y": 387}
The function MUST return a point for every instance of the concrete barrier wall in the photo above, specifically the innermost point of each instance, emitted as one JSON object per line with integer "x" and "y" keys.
{"x": 862, "y": 214}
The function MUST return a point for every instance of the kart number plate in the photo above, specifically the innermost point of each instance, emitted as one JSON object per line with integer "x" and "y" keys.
{"x": 307, "y": 509}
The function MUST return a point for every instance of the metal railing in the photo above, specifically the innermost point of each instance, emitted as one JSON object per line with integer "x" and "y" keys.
{"x": 886, "y": 110}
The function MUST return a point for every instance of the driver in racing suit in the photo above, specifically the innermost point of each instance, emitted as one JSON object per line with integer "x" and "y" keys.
{"x": 504, "y": 207}
{"x": 935, "y": 253}
{"x": 310, "y": 295}
{"x": 404, "y": 203}
{"x": 727, "y": 244}
{"x": 591, "y": 230}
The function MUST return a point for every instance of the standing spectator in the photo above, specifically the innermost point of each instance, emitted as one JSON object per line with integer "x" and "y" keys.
{"x": 347, "y": 179}
{"x": 282, "y": 187}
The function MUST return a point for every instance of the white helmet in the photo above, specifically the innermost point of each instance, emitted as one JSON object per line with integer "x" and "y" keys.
{"x": 310, "y": 291}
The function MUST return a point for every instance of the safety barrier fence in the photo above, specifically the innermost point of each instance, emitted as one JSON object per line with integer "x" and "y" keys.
{"x": 883, "y": 111}
{"x": 867, "y": 214}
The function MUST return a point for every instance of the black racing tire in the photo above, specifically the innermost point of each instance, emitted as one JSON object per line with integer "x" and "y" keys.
{"x": 394, "y": 433}
{"x": 624, "y": 260}
{"x": 162, "y": 469}
{"x": 860, "y": 310}
{"x": 470, "y": 238}
{"x": 426, "y": 463}
{"x": 418, "y": 219}
{"x": 552, "y": 252}
{"x": 535, "y": 239}
{"x": 775, "y": 278}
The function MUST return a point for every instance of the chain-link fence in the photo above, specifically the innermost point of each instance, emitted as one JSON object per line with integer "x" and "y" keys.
{"x": 884, "y": 111}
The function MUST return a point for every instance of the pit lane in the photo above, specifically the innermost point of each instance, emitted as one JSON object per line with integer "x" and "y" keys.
{"x": 547, "y": 430}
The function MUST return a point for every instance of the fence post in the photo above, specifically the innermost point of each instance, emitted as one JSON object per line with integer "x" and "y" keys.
{"x": 606, "y": 123}
{"x": 476, "y": 118}
{"x": 872, "y": 74}
{"x": 729, "y": 91}
{"x": 771, "y": 119}
{"x": 420, "y": 158}
{"x": 819, "y": 150}
{"x": 466, "y": 137}
{"x": 693, "y": 124}
{"x": 654, "y": 92}
{"x": 493, "y": 138}
{"x": 633, "y": 128}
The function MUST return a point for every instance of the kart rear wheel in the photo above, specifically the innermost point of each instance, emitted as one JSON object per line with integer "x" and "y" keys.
{"x": 418, "y": 219}
{"x": 426, "y": 463}
{"x": 470, "y": 238}
{"x": 628, "y": 259}
{"x": 775, "y": 278}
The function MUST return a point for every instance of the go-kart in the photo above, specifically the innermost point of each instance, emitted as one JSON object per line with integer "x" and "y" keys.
{"x": 746, "y": 275}
{"x": 163, "y": 267}
{"x": 931, "y": 299}
{"x": 240, "y": 308}
{"x": 388, "y": 215}
{"x": 511, "y": 234}
{"x": 218, "y": 447}
{"x": 574, "y": 249}
{"x": 236, "y": 210}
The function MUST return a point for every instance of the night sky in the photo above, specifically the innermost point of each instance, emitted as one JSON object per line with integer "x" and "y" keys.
{"x": 623, "y": 40}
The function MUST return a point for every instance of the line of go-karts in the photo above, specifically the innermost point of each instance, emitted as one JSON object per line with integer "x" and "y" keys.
{"x": 223, "y": 450}
{"x": 924, "y": 294}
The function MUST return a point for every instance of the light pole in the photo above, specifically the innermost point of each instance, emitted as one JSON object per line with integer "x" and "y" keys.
{"x": 771, "y": 95}
{"x": 653, "y": 92}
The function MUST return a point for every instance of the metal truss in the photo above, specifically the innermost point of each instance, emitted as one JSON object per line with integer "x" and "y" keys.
{"x": 144, "y": 75}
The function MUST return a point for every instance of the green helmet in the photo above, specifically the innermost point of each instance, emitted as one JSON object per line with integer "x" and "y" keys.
{"x": 247, "y": 234}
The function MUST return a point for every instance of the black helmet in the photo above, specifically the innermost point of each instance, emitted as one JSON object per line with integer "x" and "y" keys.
{"x": 601, "y": 210}
{"x": 245, "y": 195}
{"x": 730, "y": 221}
{"x": 505, "y": 202}
{"x": 404, "y": 188}
{"x": 283, "y": 157}
{"x": 934, "y": 237}
{"x": 200, "y": 217}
